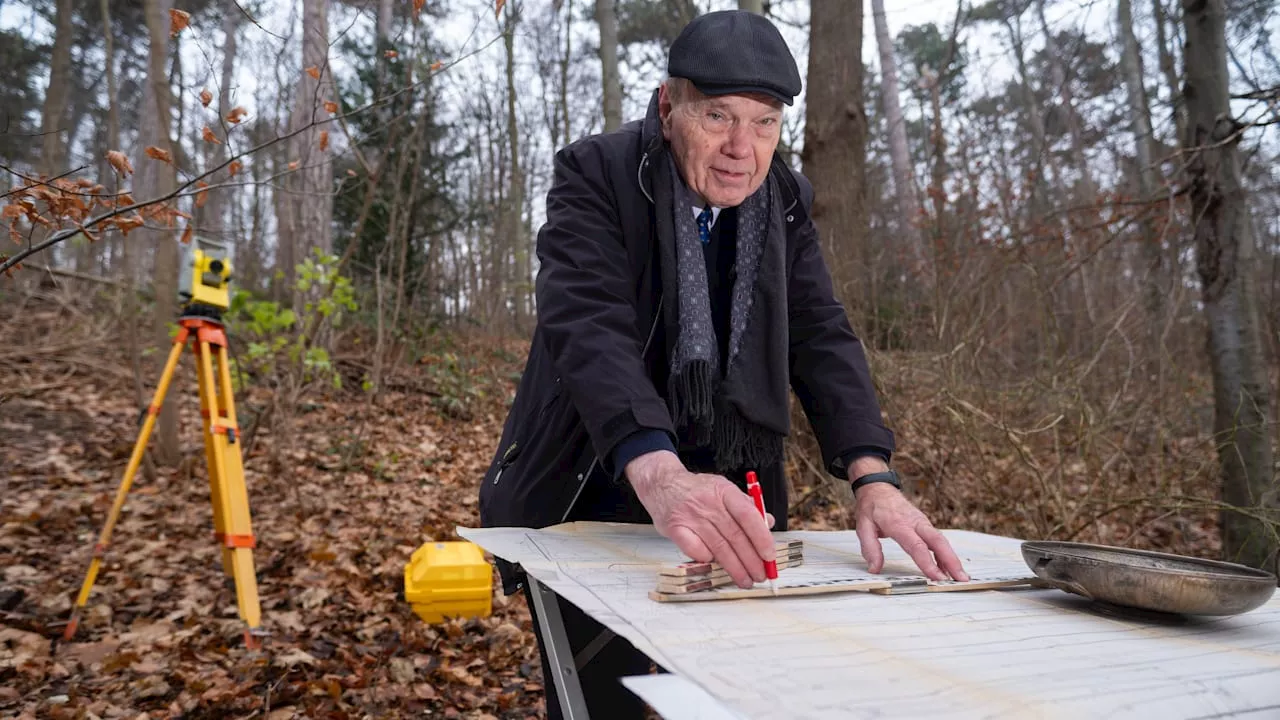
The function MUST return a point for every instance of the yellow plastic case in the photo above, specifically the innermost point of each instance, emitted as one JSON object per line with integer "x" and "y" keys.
{"x": 448, "y": 579}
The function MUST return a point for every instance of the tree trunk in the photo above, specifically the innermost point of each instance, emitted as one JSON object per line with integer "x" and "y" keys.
{"x": 54, "y": 138}
{"x": 835, "y": 138}
{"x": 1224, "y": 255}
{"x": 1169, "y": 68}
{"x": 154, "y": 178}
{"x": 1140, "y": 125}
{"x": 213, "y": 219}
{"x": 310, "y": 200}
{"x": 515, "y": 197}
{"x": 755, "y": 6}
{"x": 903, "y": 185}
{"x": 564, "y": 70}
{"x": 608, "y": 20}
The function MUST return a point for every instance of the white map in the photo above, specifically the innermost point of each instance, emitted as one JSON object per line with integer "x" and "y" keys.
{"x": 1012, "y": 653}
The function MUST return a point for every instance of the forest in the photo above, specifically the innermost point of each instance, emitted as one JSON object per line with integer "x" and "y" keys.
{"x": 1055, "y": 226}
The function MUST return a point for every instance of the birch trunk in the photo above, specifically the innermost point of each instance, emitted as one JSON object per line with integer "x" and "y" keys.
{"x": 1224, "y": 256}
{"x": 903, "y": 186}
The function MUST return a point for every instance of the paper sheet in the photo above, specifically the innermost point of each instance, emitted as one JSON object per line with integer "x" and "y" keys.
{"x": 994, "y": 653}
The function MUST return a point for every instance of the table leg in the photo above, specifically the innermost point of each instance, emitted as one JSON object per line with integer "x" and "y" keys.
{"x": 560, "y": 655}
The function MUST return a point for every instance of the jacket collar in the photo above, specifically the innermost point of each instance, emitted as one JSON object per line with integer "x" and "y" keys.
{"x": 652, "y": 145}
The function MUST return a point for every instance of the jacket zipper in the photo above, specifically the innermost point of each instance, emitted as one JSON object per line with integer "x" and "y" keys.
{"x": 507, "y": 458}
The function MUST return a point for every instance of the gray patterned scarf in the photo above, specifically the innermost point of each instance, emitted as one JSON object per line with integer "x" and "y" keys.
{"x": 707, "y": 404}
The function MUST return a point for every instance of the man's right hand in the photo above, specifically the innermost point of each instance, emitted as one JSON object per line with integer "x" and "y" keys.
{"x": 706, "y": 516}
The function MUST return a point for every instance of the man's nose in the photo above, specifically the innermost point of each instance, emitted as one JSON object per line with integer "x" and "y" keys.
{"x": 738, "y": 144}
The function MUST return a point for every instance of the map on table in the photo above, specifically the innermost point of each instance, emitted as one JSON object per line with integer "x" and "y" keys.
{"x": 1009, "y": 653}
{"x": 632, "y": 555}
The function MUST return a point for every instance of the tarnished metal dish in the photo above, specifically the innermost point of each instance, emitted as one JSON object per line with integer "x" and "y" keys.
{"x": 1149, "y": 580}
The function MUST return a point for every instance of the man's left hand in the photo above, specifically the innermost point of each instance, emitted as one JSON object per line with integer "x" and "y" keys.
{"x": 883, "y": 511}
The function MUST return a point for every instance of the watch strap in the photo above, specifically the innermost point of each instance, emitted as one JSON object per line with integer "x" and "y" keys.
{"x": 888, "y": 476}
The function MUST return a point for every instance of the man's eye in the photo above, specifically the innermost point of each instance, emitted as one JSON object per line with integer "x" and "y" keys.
{"x": 713, "y": 115}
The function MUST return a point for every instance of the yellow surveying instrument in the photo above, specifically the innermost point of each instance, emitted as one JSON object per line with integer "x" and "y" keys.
{"x": 203, "y": 289}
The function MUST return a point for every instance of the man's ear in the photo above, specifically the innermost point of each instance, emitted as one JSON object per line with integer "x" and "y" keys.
{"x": 664, "y": 109}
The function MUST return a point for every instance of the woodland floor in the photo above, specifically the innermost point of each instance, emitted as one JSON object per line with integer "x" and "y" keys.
{"x": 364, "y": 486}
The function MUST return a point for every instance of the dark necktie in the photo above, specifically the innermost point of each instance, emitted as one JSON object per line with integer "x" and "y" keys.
{"x": 704, "y": 225}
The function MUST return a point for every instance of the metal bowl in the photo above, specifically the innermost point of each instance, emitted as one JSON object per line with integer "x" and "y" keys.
{"x": 1149, "y": 580}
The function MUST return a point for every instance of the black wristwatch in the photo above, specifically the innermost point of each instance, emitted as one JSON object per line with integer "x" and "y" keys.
{"x": 888, "y": 476}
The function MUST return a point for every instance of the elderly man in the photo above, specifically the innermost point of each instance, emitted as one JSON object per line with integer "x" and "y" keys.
{"x": 681, "y": 295}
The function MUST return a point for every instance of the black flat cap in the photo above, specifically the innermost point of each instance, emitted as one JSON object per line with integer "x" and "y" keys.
{"x": 734, "y": 51}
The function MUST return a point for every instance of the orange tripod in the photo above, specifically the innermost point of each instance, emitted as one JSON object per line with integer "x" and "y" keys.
{"x": 203, "y": 326}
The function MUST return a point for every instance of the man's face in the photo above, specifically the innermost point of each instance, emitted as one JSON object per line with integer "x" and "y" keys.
{"x": 722, "y": 144}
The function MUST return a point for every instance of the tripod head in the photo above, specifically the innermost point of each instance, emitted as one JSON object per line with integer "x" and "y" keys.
{"x": 205, "y": 278}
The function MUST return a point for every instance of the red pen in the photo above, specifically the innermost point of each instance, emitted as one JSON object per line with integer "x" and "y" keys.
{"x": 753, "y": 488}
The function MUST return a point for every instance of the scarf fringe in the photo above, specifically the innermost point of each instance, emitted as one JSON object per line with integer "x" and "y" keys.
{"x": 741, "y": 444}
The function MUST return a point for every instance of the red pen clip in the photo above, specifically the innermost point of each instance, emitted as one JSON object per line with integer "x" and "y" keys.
{"x": 753, "y": 489}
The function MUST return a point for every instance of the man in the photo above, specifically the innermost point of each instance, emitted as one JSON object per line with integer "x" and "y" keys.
{"x": 681, "y": 295}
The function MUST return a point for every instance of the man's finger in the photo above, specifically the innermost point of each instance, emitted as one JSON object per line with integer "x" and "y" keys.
{"x": 870, "y": 543}
{"x": 772, "y": 522}
{"x": 725, "y": 554}
{"x": 918, "y": 549}
{"x": 741, "y": 538}
{"x": 748, "y": 518}
{"x": 942, "y": 550}
{"x": 690, "y": 544}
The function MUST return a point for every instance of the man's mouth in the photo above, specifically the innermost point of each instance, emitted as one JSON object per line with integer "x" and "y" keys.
{"x": 729, "y": 175}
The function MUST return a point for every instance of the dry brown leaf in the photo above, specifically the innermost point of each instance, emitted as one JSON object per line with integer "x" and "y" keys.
{"x": 158, "y": 154}
{"x": 206, "y": 97}
{"x": 119, "y": 162}
{"x": 178, "y": 21}
{"x": 497, "y": 7}
{"x": 436, "y": 65}
{"x": 293, "y": 165}
{"x": 418, "y": 5}
{"x": 236, "y": 114}
{"x": 391, "y": 54}
{"x": 330, "y": 107}
{"x": 125, "y": 224}
{"x": 209, "y": 137}
{"x": 203, "y": 195}
{"x": 186, "y": 235}
{"x": 314, "y": 72}
{"x": 234, "y": 167}
{"x": 324, "y": 140}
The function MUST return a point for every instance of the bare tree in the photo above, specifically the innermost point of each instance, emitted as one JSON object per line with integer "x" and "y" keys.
{"x": 154, "y": 179}
{"x": 54, "y": 135}
{"x": 903, "y": 186}
{"x": 306, "y": 208}
{"x": 1223, "y": 232}
{"x": 835, "y": 138}
{"x": 607, "y": 17}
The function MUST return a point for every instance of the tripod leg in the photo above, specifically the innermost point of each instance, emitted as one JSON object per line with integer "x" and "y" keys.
{"x": 209, "y": 414}
{"x": 226, "y": 477}
{"x": 139, "y": 448}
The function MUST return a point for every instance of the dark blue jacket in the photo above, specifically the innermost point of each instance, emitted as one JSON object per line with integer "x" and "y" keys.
{"x": 586, "y": 387}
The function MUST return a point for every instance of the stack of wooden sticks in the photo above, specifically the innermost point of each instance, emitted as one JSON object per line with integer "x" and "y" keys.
{"x": 691, "y": 577}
